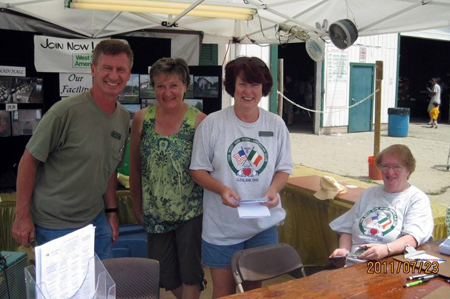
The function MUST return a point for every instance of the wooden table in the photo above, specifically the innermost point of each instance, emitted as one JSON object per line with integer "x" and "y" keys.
{"x": 355, "y": 282}
{"x": 311, "y": 184}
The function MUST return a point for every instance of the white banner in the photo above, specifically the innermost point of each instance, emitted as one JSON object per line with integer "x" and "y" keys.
{"x": 12, "y": 71}
{"x": 70, "y": 84}
{"x": 60, "y": 55}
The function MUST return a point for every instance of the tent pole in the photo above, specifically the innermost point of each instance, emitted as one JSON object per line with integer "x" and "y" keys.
{"x": 377, "y": 129}
{"x": 280, "y": 85}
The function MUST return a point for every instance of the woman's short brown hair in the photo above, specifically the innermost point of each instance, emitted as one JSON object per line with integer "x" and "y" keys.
{"x": 403, "y": 154}
{"x": 249, "y": 69}
{"x": 170, "y": 66}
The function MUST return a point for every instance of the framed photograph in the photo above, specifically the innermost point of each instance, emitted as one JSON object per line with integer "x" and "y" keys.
{"x": 206, "y": 86}
{"x": 145, "y": 88}
{"x": 5, "y": 123}
{"x": 27, "y": 90}
{"x": 25, "y": 121}
{"x": 5, "y": 89}
{"x": 130, "y": 94}
{"x": 148, "y": 102}
{"x": 132, "y": 109}
{"x": 190, "y": 88}
{"x": 196, "y": 103}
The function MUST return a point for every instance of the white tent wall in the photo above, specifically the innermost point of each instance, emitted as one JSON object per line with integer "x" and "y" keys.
{"x": 230, "y": 52}
{"x": 336, "y": 90}
{"x": 184, "y": 44}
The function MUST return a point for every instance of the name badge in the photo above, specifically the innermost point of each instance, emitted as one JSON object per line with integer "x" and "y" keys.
{"x": 185, "y": 136}
{"x": 266, "y": 133}
{"x": 116, "y": 135}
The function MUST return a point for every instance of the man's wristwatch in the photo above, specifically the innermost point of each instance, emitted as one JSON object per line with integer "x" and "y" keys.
{"x": 111, "y": 210}
{"x": 389, "y": 248}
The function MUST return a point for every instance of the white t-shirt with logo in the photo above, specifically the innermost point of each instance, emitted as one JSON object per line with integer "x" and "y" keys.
{"x": 245, "y": 157}
{"x": 382, "y": 217}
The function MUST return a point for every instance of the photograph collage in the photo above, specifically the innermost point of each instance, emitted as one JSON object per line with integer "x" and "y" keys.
{"x": 139, "y": 92}
{"x": 20, "y": 90}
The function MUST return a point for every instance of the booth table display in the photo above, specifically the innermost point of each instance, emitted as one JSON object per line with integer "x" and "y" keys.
{"x": 306, "y": 226}
{"x": 8, "y": 207}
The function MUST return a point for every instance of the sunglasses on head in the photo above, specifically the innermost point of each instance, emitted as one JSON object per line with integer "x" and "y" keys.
{"x": 255, "y": 60}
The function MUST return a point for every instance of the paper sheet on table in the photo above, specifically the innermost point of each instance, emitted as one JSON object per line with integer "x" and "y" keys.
{"x": 62, "y": 265}
{"x": 252, "y": 208}
{"x": 426, "y": 257}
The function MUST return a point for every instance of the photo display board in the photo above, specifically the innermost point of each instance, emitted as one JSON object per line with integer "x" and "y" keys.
{"x": 26, "y": 94}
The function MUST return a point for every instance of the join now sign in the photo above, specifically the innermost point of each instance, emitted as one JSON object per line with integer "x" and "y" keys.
{"x": 60, "y": 55}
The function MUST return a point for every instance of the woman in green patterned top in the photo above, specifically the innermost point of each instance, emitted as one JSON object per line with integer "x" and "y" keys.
{"x": 166, "y": 200}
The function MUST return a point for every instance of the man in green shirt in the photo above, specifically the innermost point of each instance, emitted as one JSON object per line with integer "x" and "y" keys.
{"x": 67, "y": 175}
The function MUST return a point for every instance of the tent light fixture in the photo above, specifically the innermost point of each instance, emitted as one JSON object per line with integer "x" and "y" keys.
{"x": 166, "y": 7}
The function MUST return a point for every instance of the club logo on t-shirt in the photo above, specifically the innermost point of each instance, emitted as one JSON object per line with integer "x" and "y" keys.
{"x": 378, "y": 222}
{"x": 247, "y": 158}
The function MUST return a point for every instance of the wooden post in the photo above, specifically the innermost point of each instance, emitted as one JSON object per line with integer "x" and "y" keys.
{"x": 280, "y": 86}
{"x": 377, "y": 128}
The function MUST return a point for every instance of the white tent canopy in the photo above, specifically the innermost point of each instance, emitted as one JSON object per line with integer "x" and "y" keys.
{"x": 371, "y": 17}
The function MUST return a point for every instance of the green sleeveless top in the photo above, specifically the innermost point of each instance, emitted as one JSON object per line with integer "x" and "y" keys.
{"x": 169, "y": 194}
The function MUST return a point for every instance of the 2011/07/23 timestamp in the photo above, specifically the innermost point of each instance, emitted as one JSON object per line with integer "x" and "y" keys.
{"x": 412, "y": 267}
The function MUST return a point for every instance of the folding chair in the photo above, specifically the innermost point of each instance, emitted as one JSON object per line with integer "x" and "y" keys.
{"x": 135, "y": 278}
{"x": 266, "y": 262}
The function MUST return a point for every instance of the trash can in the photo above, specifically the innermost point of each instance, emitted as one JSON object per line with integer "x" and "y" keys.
{"x": 398, "y": 122}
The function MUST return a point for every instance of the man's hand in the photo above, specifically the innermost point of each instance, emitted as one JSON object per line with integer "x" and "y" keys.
{"x": 112, "y": 219}
{"x": 23, "y": 230}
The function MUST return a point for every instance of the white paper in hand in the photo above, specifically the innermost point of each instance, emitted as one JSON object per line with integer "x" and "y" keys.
{"x": 252, "y": 208}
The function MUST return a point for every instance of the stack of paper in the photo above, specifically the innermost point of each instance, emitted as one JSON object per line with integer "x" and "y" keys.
{"x": 252, "y": 208}
{"x": 445, "y": 246}
{"x": 62, "y": 266}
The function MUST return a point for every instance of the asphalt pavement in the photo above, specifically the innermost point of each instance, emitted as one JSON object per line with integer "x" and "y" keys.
{"x": 347, "y": 155}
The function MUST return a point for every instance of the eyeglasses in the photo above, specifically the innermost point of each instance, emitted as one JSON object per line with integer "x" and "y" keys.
{"x": 396, "y": 168}
{"x": 255, "y": 60}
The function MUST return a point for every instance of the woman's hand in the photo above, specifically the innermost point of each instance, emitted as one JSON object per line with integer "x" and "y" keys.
{"x": 375, "y": 252}
{"x": 230, "y": 197}
{"x": 272, "y": 198}
{"x": 339, "y": 252}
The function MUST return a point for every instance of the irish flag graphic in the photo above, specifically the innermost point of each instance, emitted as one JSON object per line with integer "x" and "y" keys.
{"x": 254, "y": 157}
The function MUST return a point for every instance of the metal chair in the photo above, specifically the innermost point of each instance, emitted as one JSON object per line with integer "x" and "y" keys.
{"x": 266, "y": 262}
{"x": 135, "y": 278}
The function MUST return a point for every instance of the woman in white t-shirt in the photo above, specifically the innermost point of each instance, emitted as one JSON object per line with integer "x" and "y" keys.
{"x": 387, "y": 217}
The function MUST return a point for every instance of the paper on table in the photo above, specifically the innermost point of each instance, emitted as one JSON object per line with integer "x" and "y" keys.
{"x": 62, "y": 265}
{"x": 252, "y": 208}
{"x": 427, "y": 257}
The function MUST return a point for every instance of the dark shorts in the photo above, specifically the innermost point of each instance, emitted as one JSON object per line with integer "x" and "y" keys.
{"x": 179, "y": 254}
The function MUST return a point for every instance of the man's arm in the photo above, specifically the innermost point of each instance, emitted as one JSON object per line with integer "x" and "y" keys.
{"x": 110, "y": 201}
{"x": 23, "y": 227}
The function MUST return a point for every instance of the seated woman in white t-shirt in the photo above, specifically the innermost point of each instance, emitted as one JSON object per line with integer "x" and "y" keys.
{"x": 388, "y": 217}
